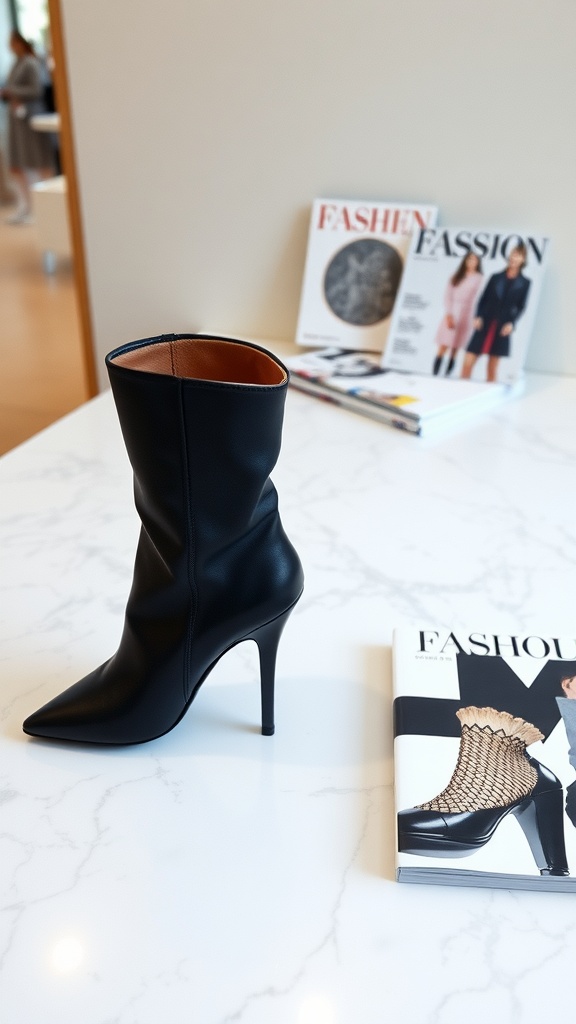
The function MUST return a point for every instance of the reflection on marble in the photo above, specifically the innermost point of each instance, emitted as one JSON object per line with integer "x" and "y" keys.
{"x": 216, "y": 875}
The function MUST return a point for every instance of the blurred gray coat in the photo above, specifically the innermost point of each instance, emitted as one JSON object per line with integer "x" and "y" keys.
{"x": 27, "y": 149}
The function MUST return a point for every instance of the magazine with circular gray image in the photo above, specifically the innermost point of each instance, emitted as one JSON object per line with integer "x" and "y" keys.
{"x": 362, "y": 281}
{"x": 354, "y": 267}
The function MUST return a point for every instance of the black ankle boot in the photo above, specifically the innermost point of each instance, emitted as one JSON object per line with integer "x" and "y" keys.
{"x": 436, "y": 365}
{"x": 202, "y": 421}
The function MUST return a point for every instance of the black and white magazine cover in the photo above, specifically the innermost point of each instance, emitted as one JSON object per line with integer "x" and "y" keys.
{"x": 485, "y": 758}
{"x": 354, "y": 264}
{"x": 467, "y": 303}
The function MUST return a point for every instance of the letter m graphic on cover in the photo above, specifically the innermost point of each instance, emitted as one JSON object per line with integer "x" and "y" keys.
{"x": 486, "y": 682}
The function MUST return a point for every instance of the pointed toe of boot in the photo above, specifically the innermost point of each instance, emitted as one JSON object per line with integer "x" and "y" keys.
{"x": 66, "y": 717}
{"x": 52, "y": 721}
{"x": 42, "y": 724}
{"x": 88, "y": 712}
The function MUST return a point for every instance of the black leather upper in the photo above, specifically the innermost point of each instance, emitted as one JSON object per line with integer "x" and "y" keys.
{"x": 213, "y": 561}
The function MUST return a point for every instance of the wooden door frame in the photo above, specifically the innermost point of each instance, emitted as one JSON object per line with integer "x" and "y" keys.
{"x": 68, "y": 155}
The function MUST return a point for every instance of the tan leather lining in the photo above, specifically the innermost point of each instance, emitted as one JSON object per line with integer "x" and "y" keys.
{"x": 205, "y": 359}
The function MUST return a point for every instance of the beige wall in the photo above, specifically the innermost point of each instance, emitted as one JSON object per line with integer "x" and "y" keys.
{"x": 205, "y": 127}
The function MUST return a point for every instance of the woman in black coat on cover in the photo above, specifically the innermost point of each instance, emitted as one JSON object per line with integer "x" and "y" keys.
{"x": 501, "y": 303}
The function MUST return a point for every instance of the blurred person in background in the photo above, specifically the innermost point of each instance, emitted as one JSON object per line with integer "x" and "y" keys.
{"x": 30, "y": 153}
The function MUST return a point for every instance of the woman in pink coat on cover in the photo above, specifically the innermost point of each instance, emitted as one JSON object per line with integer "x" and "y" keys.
{"x": 459, "y": 303}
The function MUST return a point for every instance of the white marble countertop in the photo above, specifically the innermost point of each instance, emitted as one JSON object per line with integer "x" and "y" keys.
{"x": 216, "y": 875}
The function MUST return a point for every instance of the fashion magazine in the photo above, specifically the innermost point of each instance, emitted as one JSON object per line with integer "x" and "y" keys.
{"x": 354, "y": 265}
{"x": 485, "y": 758}
{"x": 420, "y": 405}
{"x": 466, "y": 303}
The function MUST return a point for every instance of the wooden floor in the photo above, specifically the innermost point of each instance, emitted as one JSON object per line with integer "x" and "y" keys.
{"x": 41, "y": 366}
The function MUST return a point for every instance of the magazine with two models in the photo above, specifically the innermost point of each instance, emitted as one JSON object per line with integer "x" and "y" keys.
{"x": 466, "y": 304}
{"x": 485, "y": 759}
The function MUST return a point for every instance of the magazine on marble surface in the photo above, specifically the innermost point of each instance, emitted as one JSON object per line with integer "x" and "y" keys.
{"x": 412, "y": 402}
{"x": 354, "y": 263}
{"x": 466, "y": 303}
{"x": 485, "y": 758}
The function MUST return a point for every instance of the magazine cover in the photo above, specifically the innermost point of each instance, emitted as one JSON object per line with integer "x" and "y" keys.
{"x": 467, "y": 303}
{"x": 354, "y": 264}
{"x": 485, "y": 759}
{"x": 410, "y": 402}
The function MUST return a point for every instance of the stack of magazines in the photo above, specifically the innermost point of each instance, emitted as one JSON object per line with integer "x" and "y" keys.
{"x": 413, "y": 324}
{"x": 408, "y": 401}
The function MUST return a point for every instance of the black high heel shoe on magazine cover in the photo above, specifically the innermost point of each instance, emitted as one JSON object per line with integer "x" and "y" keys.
{"x": 494, "y": 776}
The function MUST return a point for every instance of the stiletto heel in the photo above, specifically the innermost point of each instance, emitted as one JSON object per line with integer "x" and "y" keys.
{"x": 493, "y": 777}
{"x": 267, "y": 638}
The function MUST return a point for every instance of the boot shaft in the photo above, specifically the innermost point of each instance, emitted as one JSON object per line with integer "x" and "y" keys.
{"x": 202, "y": 449}
{"x": 202, "y": 423}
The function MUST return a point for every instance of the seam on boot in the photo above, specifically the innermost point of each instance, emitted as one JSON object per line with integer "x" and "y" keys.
{"x": 191, "y": 546}
{"x": 173, "y": 358}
